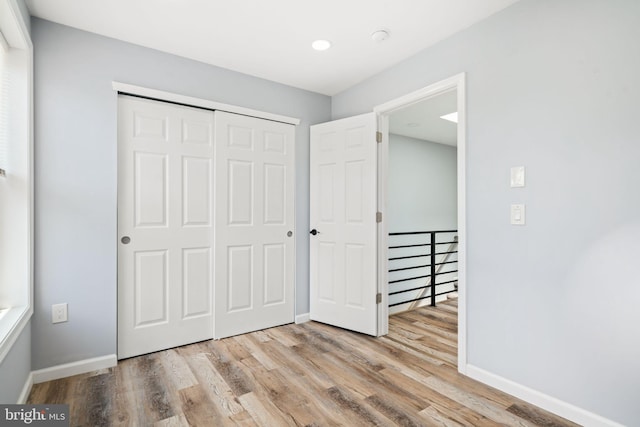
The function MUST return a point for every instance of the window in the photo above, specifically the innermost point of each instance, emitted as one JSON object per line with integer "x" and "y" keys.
{"x": 15, "y": 175}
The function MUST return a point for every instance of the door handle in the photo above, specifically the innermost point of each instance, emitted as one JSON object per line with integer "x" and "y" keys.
{"x": 125, "y": 240}
{"x": 314, "y": 232}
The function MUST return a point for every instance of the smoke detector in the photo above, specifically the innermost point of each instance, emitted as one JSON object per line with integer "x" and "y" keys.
{"x": 380, "y": 35}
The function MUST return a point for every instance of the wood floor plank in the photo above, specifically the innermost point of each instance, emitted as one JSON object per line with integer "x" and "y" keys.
{"x": 176, "y": 421}
{"x": 425, "y": 348}
{"x": 292, "y": 404}
{"x": 179, "y": 372}
{"x": 96, "y": 394}
{"x": 253, "y": 344}
{"x": 229, "y": 371}
{"x": 128, "y": 400}
{"x": 295, "y": 363}
{"x": 39, "y": 392}
{"x": 281, "y": 335}
{"x": 264, "y": 412}
{"x": 219, "y": 391}
{"x": 479, "y": 405}
{"x": 356, "y": 413}
{"x": 535, "y": 415}
{"x": 420, "y": 332}
{"x": 309, "y": 374}
{"x": 151, "y": 382}
{"x": 371, "y": 383}
{"x": 437, "y": 415}
{"x": 58, "y": 391}
{"x": 198, "y": 408}
{"x": 412, "y": 380}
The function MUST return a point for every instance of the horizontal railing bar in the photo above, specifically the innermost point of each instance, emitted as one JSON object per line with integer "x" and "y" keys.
{"x": 420, "y": 245}
{"x": 408, "y": 268}
{"x": 447, "y": 282}
{"x": 407, "y": 233}
{"x": 447, "y": 262}
{"x": 409, "y": 278}
{"x": 444, "y": 253}
{"x": 420, "y": 256}
{"x": 446, "y": 243}
{"x": 407, "y": 257}
{"x": 409, "y": 290}
{"x": 421, "y": 266}
{"x": 446, "y": 272}
{"x": 447, "y": 292}
{"x": 409, "y": 246}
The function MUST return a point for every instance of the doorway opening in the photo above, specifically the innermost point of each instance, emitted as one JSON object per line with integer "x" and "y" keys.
{"x": 422, "y": 204}
{"x": 422, "y": 194}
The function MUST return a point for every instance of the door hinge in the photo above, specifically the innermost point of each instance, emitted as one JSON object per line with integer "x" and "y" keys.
{"x": 378, "y": 298}
{"x": 378, "y": 216}
{"x": 378, "y": 137}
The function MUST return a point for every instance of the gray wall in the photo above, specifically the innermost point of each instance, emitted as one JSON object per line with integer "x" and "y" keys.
{"x": 75, "y": 131}
{"x": 422, "y": 185}
{"x": 551, "y": 85}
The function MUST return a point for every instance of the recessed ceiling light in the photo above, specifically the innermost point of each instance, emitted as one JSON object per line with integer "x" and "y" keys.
{"x": 321, "y": 45}
{"x": 452, "y": 117}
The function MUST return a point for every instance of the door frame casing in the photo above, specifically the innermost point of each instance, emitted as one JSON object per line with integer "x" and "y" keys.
{"x": 383, "y": 112}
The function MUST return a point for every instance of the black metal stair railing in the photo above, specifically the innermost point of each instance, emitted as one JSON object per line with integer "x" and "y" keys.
{"x": 421, "y": 265}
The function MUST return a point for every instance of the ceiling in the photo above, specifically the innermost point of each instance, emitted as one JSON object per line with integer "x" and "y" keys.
{"x": 272, "y": 39}
{"x": 422, "y": 120}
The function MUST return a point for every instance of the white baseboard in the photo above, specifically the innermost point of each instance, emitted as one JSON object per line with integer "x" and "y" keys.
{"x": 24, "y": 395}
{"x": 546, "y": 402}
{"x": 74, "y": 368}
{"x": 302, "y": 318}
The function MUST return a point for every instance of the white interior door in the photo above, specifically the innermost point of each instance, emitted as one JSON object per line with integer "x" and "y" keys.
{"x": 165, "y": 219}
{"x": 254, "y": 257}
{"x": 343, "y": 247}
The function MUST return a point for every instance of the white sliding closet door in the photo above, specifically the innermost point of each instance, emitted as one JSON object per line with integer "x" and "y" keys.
{"x": 254, "y": 223}
{"x": 165, "y": 225}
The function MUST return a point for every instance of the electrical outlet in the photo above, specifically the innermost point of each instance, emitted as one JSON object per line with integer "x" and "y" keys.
{"x": 59, "y": 313}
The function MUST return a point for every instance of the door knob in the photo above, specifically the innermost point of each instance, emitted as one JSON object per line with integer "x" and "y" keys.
{"x": 125, "y": 240}
{"x": 314, "y": 232}
{"x": 289, "y": 233}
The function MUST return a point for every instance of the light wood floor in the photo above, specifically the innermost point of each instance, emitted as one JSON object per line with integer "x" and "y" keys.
{"x": 298, "y": 375}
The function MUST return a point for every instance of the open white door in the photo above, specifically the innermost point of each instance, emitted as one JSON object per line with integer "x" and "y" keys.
{"x": 343, "y": 248}
{"x": 254, "y": 222}
{"x": 165, "y": 218}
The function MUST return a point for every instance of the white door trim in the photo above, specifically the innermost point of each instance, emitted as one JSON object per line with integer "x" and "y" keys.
{"x": 190, "y": 101}
{"x": 383, "y": 111}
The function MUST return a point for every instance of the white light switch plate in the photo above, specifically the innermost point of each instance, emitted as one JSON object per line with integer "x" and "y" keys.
{"x": 517, "y": 214}
{"x": 517, "y": 176}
